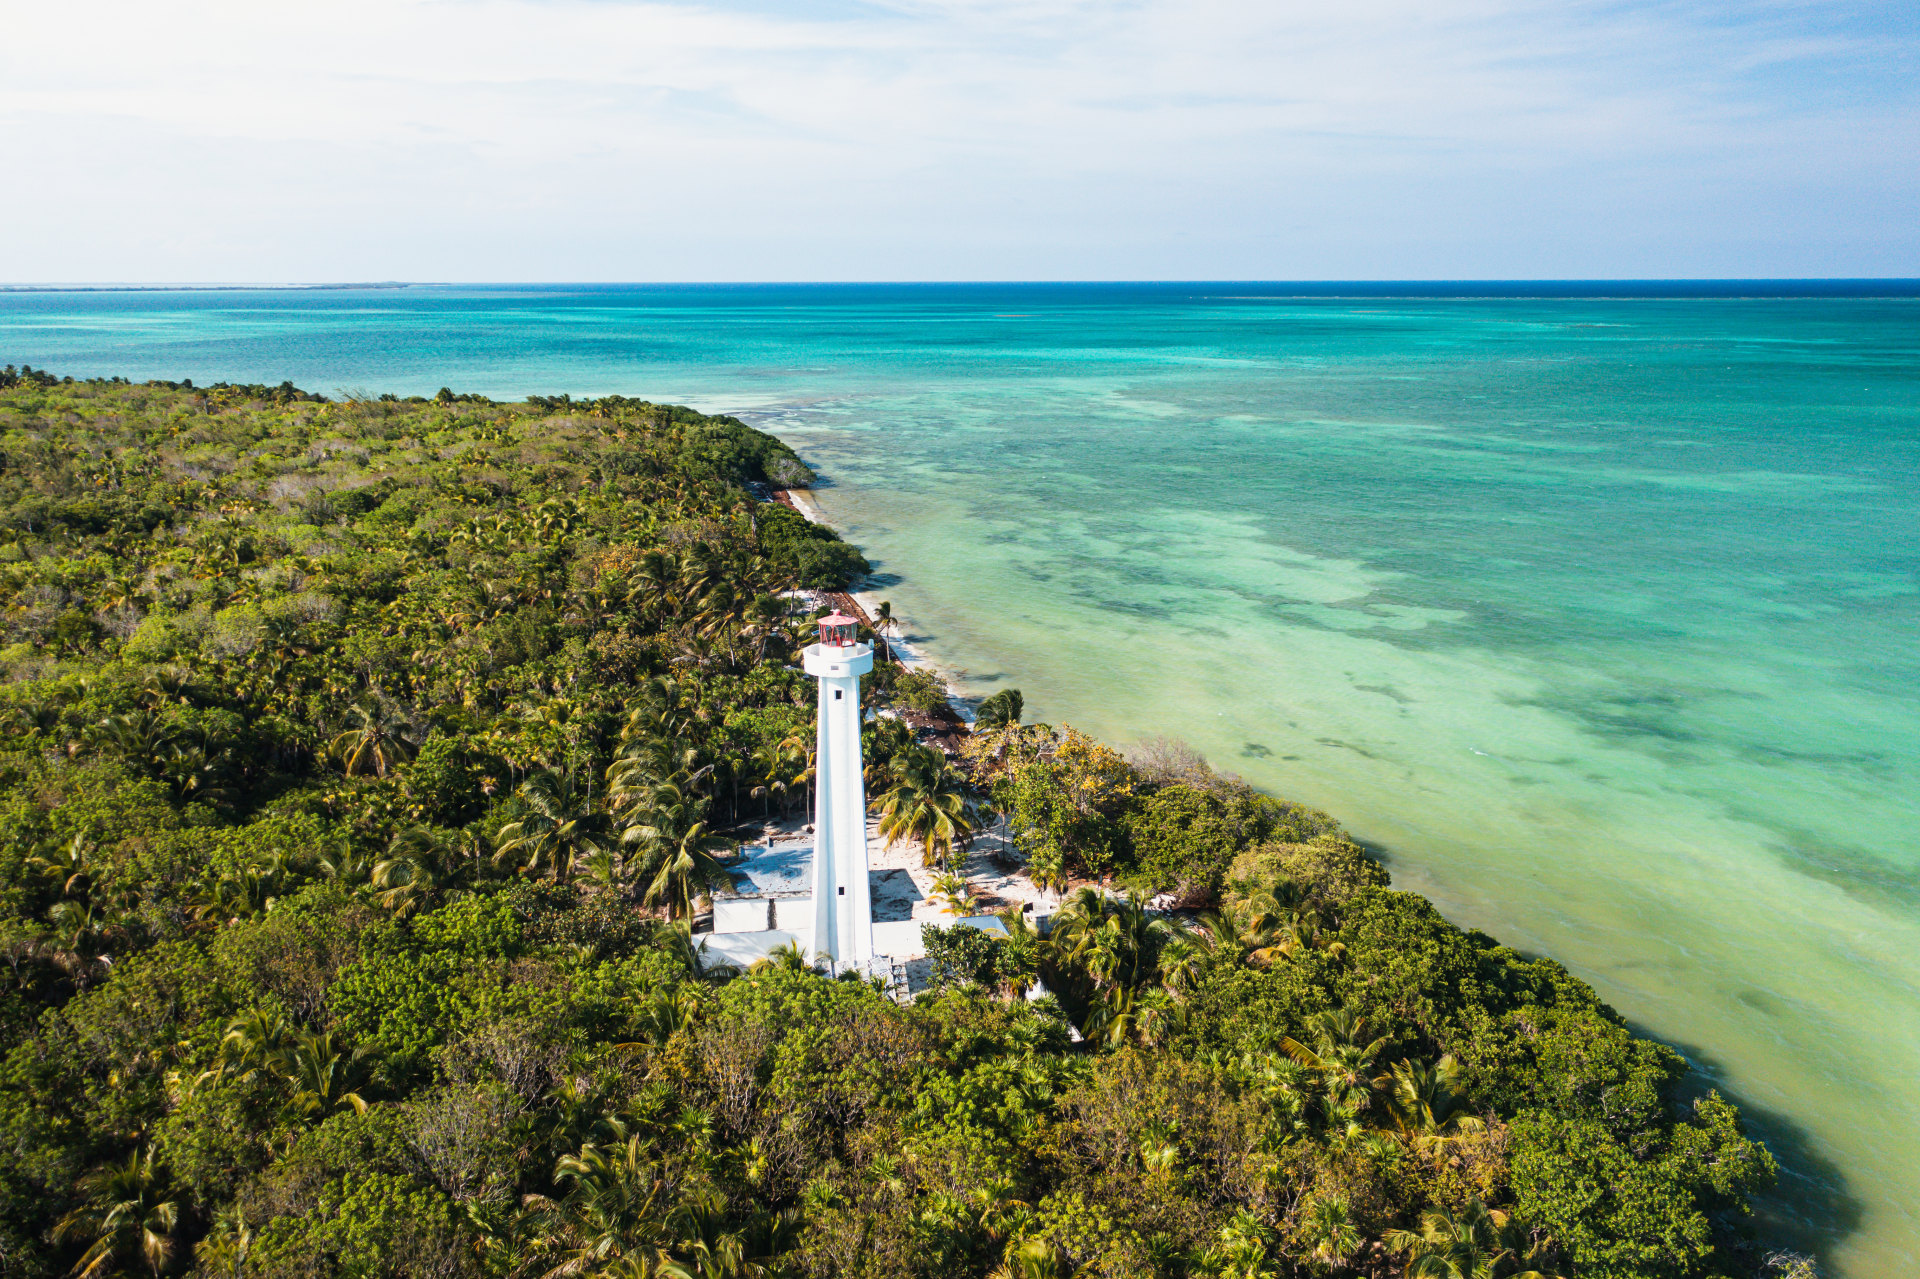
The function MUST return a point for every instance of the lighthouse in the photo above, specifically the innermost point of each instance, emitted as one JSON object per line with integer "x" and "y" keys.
{"x": 842, "y": 908}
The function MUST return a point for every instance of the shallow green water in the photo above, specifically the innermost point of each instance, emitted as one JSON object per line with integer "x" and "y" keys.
{"x": 1600, "y": 618}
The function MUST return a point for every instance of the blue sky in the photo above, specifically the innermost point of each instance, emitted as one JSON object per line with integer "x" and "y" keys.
{"x": 971, "y": 139}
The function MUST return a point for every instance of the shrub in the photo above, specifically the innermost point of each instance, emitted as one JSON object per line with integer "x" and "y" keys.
{"x": 918, "y": 688}
{"x": 814, "y": 552}
{"x": 1329, "y": 871}
{"x": 1618, "y": 1215}
{"x": 962, "y": 954}
{"x": 366, "y": 1226}
{"x": 1184, "y": 837}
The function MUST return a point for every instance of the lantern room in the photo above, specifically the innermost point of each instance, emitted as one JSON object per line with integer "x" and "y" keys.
{"x": 837, "y": 630}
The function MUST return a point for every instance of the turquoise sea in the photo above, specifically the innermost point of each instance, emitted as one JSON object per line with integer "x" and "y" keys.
{"x": 1598, "y": 615}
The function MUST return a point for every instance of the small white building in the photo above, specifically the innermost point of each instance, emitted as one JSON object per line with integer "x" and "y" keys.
{"x": 769, "y": 904}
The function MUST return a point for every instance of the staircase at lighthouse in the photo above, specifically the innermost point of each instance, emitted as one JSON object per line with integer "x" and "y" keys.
{"x": 842, "y": 906}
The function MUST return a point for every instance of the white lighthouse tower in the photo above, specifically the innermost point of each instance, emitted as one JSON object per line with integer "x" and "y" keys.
{"x": 842, "y": 906}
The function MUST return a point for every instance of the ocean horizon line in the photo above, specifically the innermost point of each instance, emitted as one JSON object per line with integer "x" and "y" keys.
{"x": 1593, "y": 288}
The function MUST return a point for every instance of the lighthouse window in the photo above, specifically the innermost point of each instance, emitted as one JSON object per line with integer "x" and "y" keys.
{"x": 843, "y": 890}
{"x": 836, "y": 694}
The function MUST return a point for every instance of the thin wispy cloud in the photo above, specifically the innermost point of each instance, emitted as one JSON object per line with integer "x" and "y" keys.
{"x": 593, "y": 139}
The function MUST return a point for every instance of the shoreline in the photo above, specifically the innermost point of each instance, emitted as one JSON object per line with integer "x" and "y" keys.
{"x": 1160, "y": 830}
{"x": 1777, "y": 1213}
{"x": 865, "y": 600}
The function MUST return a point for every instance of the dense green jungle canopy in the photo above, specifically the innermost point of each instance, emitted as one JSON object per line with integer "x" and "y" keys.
{"x": 361, "y": 764}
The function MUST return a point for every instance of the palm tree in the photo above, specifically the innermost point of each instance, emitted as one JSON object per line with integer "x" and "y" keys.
{"x": 27, "y": 719}
{"x": 253, "y": 1044}
{"x": 319, "y": 1077}
{"x": 76, "y": 939}
{"x": 881, "y": 742}
{"x": 884, "y": 624}
{"x": 139, "y": 737}
{"x": 1000, "y": 711}
{"x": 715, "y": 1247}
{"x": 196, "y": 769}
{"x": 1293, "y": 936}
{"x": 1158, "y": 1017}
{"x": 604, "y": 870}
{"x": 928, "y": 803}
{"x": 762, "y": 1240}
{"x": 238, "y": 893}
{"x": 997, "y": 743}
{"x": 765, "y": 624}
{"x": 790, "y": 958}
{"x": 666, "y": 824}
{"x": 780, "y": 767}
{"x": 677, "y": 940}
{"x": 655, "y": 578}
{"x": 378, "y": 738}
{"x": 685, "y": 863}
{"x": 954, "y": 892}
{"x": 1222, "y": 934}
{"x": 647, "y": 764}
{"x": 1047, "y": 868}
{"x": 1182, "y": 961}
{"x": 558, "y": 826}
{"x": 1267, "y": 922}
{"x": 1114, "y": 1017}
{"x": 1330, "y": 1229}
{"x": 408, "y": 876}
{"x": 256, "y": 1045}
{"x": 1116, "y": 940}
{"x": 70, "y": 866}
{"x": 1474, "y": 1243}
{"x": 721, "y": 614}
{"x": 613, "y": 1220}
{"x": 803, "y": 749}
{"x": 668, "y": 709}
{"x": 1425, "y": 1101}
{"x": 1262, "y": 906}
{"x": 127, "y": 1215}
{"x": 1344, "y": 1058}
{"x": 1034, "y": 1259}
{"x": 1242, "y": 1250}
{"x": 347, "y": 865}
{"x": 225, "y": 1249}
{"x": 663, "y": 1014}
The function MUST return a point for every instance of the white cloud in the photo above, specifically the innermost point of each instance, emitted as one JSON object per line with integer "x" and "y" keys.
{"x": 576, "y": 139}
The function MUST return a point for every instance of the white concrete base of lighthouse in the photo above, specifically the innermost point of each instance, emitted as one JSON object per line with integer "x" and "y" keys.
{"x": 894, "y": 940}
{"x": 770, "y": 905}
